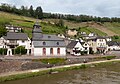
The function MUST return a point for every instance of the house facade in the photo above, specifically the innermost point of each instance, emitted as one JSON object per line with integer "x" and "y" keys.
{"x": 45, "y": 44}
{"x": 98, "y": 44}
{"x": 72, "y": 32}
{"x": 13, "y": 40}
{"x": 11, "y": 28}
{"x": 113, "y": 45}
{"x": 77, "y": 47}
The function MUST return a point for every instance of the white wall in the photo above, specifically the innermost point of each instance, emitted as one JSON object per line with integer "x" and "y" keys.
{"x": 114, "y": 47}
{"x": 39, "y": 51}
{"x": 79, "y": 47}
{"x": 26, "y": 43}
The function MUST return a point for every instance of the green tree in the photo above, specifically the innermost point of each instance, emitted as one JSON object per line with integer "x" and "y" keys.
{"x": 39, "y": 12}
{"x": 3, "y": 31}
{"x": 31, "y": 11}
{"x": 20, "y": 50}
{"x": 61, "y": 23}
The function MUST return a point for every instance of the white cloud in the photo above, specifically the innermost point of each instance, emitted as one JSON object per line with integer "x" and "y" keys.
{"x": 110, "y": 8}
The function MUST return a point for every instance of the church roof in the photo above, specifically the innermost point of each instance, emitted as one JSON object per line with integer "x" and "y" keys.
{"x": 47, "y": 37}
{"x": 49, "y": 43}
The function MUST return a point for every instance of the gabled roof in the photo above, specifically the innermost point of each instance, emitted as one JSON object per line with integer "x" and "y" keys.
{"x": 72, "y": 44}
{"x": 49, "y": 44}
{"x": 95, "y": 38}
{"x": 46, "y": 37}
{"x": 15, "y": 36}
{"x": 112, "y": 43}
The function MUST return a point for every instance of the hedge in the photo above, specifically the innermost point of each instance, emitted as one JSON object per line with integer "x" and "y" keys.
{"x": 3, "y": 51}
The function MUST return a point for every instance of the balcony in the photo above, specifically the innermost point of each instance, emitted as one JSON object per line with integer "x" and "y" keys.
{"x": 12, "y": 43}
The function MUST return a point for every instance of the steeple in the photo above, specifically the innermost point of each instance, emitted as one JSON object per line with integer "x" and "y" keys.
{"x": 37, "y": 32}
{"x": 37, "y": 27}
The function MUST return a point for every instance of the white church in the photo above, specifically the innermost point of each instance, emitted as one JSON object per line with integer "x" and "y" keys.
{"x": 46, "y": 44}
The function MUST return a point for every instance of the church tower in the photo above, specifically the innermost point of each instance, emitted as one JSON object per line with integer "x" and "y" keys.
{"x": 37, "y": 32}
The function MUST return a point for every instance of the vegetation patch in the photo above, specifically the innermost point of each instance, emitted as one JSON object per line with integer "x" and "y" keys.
{"x": 104, "y": 58}
{"x": 3, "y": 51}
{"x": 51, "y": 60}
{"x": 20, "y": 50}
{"x": 22, "y": 76}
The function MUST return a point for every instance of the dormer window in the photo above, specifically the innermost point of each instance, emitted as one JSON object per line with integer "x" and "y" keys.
{"x": 57, "y": 43}
{"x": 44, "y": 43}
{"x": 49, "y": 36}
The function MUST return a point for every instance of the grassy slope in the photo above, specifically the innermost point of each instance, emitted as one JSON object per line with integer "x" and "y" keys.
{"x": 107, "y": 28}
{"x": 27, "y": 24}
{"x": 115, "y": 27}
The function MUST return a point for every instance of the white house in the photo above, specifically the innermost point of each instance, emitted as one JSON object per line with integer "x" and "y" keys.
{"x": 98, "y": 44}
{"x": 77, "y": 47}
{"x": 2, "y": 44}
{"x": 12, "y": 40}
{"x": 11, "y": 28}
{"x": 46, "y": 44}
{"x": 112, "y": 45}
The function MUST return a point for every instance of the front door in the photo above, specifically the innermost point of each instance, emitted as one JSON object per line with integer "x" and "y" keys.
{"x": 44, "y": 51}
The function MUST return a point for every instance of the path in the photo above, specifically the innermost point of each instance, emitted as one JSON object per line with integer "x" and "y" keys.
{"x": 56, "y": 67}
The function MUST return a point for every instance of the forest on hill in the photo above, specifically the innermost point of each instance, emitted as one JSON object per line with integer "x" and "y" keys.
{"x": 38, "y": 13}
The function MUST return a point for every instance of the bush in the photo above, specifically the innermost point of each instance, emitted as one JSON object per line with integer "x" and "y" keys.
{"x": 3, "y": 51}
{"x": 110, "y": 57}
{"x": 20, "y": 50}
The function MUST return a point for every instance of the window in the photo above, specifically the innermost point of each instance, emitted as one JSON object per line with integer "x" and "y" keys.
{"x": 23, "y": 41}
{"x": 57, "y": 43}
{"x": 58, "y": 51}
{"x": 49, "y": 36}
{"x": 44, "y": 51}
{"x": 51, "y": 51}
{"x": 44, "y": 43}
{"x": 85, "y": 48}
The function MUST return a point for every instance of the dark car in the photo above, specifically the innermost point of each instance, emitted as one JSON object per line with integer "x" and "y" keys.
{"x": 1, "y": 60}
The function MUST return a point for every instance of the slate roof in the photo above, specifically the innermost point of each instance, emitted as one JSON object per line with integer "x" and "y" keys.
{"x": 72, "y": 44}
{"x": 95, "y": 38}
{"x": 46, "y": 37}
{"x": 37, "y": 30}
{"x": 49, "y": 44}
{"x": 112, "y": 43}
{"x": 15, "y": 36}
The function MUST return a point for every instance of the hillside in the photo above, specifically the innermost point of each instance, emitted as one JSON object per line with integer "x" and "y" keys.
{"x": 101, "y": 29}
{"x": 107, "y": 28}
{"x": 27, "y": 23}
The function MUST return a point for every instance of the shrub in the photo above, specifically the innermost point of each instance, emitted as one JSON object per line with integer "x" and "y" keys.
{"x": 110, "y": 57}
{"x": 20, "y": 50}
{"x": 3, "y": 51}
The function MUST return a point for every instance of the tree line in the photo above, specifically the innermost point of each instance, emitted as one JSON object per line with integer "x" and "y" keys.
{"x": 81, "y": 18}
{"x": 23, "y": 10}
{"x": 38, "y": 13}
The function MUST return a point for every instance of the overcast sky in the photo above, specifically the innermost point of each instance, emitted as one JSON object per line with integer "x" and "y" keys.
{"x": 109, "y": 8}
